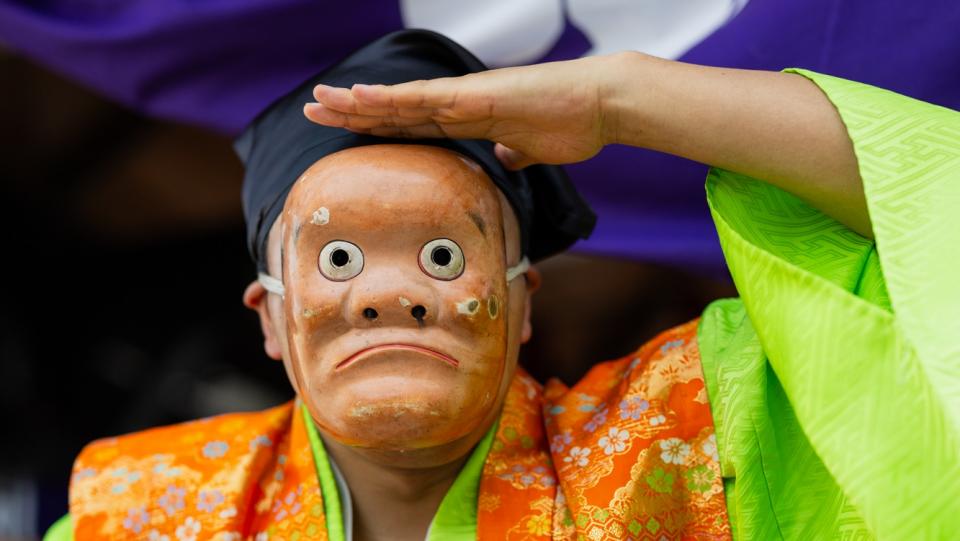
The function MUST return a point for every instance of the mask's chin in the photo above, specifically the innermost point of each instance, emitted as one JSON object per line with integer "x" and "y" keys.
{"x": 403, "y": 398}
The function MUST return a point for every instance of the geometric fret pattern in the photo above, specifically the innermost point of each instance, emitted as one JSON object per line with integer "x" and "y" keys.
{"x": 835, "y": 383}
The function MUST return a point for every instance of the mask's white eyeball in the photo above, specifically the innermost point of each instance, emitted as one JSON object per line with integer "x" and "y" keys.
{"x": 340, "y": 260}
{"x": 442, "y": 259}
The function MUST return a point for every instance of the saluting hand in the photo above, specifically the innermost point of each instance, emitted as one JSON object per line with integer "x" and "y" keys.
{"x": 546, "y": 113}
{"x": 777, "y": 127}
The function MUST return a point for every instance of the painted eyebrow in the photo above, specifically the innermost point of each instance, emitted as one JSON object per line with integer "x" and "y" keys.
{"x": 478, "y": 221}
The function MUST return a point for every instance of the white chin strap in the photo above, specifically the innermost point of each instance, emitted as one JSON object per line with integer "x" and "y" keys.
{"x": 275, "y": 285}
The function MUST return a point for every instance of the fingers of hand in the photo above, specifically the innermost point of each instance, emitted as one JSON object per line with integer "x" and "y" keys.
{"x": 510, "y": 158}
{"x": 343, "y": 100}
{"x": 321, "y": 114}
{"x": 422, "y": 131}
{"x": 430, "y": 94}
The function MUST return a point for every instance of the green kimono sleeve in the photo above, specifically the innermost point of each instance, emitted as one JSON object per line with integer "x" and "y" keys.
{"x": 61, "y": 530}
{"x": 835, "y": 380}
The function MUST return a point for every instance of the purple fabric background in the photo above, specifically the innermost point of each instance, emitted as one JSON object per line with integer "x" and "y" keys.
{"x": 216, "y": 63}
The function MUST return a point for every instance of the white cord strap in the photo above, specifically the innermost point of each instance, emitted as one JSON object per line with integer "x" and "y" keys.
{"x": 271, "y": 284}
{"x": 518, "y": 269}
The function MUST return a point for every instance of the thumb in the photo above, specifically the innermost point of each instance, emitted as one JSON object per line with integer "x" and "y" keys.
{"x": 512, "y": 159}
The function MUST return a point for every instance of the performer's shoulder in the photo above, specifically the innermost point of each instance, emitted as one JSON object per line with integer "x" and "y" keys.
{"x": 197, "y": 438}
{"x": 673, "y": 353}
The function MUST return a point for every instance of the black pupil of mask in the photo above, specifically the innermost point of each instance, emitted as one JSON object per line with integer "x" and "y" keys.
{"x": 441, "y": 256}
{"x": 339, "y": 257}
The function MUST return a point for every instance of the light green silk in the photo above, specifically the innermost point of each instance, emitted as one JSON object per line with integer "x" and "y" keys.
{"x": 835, "y": 381}
{"x": 456, "y": 518}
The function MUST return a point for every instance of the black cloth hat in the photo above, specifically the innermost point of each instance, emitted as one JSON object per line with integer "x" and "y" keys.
{"x": 280, "y": 144}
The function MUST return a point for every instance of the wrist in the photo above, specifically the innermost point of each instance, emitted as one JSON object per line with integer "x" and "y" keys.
{"x": 617, "y": 89}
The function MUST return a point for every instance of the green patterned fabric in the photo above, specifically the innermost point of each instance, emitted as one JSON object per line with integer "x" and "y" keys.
{"x": 835, "y": 381}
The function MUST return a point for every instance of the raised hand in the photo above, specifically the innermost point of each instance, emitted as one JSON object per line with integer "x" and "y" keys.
{"x": 773, "y": 126}
{"x": 547, "y": 113}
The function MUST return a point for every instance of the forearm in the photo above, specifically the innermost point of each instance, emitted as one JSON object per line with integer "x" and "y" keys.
{"x": 776, "y": 127}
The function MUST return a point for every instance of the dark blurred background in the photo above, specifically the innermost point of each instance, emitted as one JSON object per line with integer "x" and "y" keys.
{"x": 123, "y": 269}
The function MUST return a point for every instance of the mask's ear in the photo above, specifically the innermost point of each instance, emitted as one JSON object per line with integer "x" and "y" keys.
{"x": 255, "y": 298}
{"x": 533, "y": 279}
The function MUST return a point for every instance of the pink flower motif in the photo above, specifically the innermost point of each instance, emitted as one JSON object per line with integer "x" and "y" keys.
{"x": 208, "y": 500}
{"x": 136, "y": 519}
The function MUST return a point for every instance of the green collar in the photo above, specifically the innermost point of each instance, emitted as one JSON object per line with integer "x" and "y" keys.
{"x": 456, "y": 518}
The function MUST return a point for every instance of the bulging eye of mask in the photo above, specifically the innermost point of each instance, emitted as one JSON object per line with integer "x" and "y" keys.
{"x": 275, "y": 285}
{"x": 442, "y": 259}
{"x": 340, "y": 260}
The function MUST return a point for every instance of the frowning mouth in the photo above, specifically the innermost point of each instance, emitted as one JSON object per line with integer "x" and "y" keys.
{"x": 409, "y": 347}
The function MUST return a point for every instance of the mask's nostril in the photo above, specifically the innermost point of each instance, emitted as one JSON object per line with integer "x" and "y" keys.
{"x": 418, "y": 312}
{"x": 370, "y": 313}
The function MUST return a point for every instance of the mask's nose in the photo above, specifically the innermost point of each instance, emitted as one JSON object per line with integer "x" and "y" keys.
{"x": 391, "y": 298}
{"x": 418, "y": 312}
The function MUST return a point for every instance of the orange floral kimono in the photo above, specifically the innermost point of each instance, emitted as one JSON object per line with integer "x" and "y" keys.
{"x": 627, "y": 453}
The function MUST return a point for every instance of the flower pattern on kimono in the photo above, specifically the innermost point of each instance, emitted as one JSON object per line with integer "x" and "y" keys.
{"x": 215, "y": 449}
{"x": 228, "y": 512}
{"x": 154, "y": 535}
{"x": 598, "y": 419}
{"x": 125, "y": 478}
{"x": 699, "y": 478}
{"x": 208, "y": 500}
{"x": 287, "y": 505}
{"x": 189, "y": 530}
{"x": 672, "y": 344}
{"x": 615, "y": 441}
{"x": 578, "y": 456}
{"x": 166, "y": 470}
{"x": 136, "y": 518}
{"x": 560, "y": 441}
{"x": 660, "y": 481}
{"x": 538, "y": 525}
{"x": 657, "y": 420}
{"x": 172, "y": 500}
{"x": 633, "y": 407}
{"x": 260, "y": 441}
{"x": 709, "y": 447}
{"x": 675, "y": 451}
{"x": 85, "y": 473}
{"x": 555, "y": 410}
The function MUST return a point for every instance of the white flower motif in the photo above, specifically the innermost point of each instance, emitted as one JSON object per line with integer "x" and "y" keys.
{"x": 215, "y": 449}
{"x": 614, "y": 441}
{"x": 154, "y": 535}
{"x": 188, "y": 530}
{"x": 230, "y": 536}
{"x": 709, "y": 447}
{"x": 674, "y": 451}
{"x": 657, "y": 420}
{"x": 578, "y": 456}
{"x": 229, "y": 512}
{"x": 262, "y": 536}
